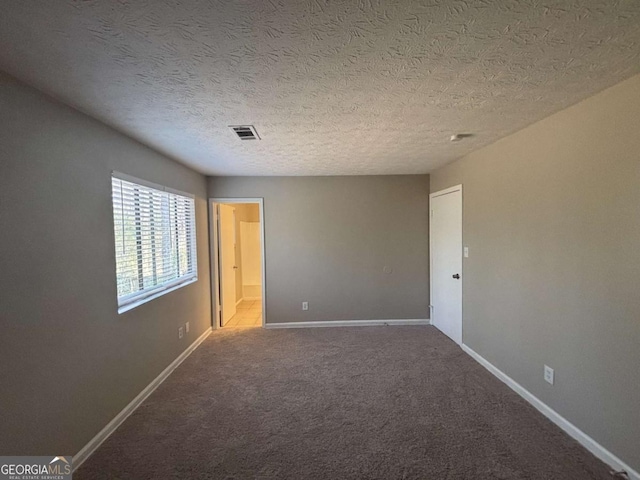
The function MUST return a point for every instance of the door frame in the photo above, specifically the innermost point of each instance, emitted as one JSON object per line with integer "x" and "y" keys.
{"x": 433, "y": 195}
{"x": 214, "y": 252}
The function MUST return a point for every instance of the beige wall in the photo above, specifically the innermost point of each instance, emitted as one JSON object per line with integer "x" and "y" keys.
{"x": 245, "y": 212}
{"x": 69, "y": 362}
{"x": 328, "y": 239}
{"x": 552, "y": 221}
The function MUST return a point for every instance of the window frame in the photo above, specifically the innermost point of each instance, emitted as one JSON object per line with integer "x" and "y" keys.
{"x": 135, "y": 299}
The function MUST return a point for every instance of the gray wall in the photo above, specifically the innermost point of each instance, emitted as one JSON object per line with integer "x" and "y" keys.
{"x": 552, "y": 221}
{"x": 68, "y": 362}
{"x": 328, "y": 239}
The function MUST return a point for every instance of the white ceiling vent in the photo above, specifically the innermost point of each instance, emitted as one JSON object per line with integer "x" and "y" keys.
{"x": 460, "y": 136}
{"x": 245, "y": 132}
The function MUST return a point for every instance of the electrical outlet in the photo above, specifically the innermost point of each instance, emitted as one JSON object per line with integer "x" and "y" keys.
{"x": 305, "y": 305}
{"x": 180, "y": 332}
{"x": 548, "y": 374}
{"x": 186, "y": 327}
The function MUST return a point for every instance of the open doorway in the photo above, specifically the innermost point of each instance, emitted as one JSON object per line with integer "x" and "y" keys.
{"x": 238, "y": 262}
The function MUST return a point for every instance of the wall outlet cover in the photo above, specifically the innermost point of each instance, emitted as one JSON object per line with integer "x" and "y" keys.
{"x": 548, "y": 374}
{"x": 305, "y": 305}
{"x": 180, "y": 332}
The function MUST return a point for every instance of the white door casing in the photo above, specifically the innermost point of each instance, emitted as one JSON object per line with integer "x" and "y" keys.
{"x": 214, "y": 232}
{"x": 445, "y": 232}
{"x": 227, "y": 262}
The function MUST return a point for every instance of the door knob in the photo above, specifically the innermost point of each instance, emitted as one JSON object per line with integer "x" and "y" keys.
{"x": 456, "y": 276}
{"x": 235, "y": 267}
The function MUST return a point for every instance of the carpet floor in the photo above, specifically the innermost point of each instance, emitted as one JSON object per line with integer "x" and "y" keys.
{"x": 337, "y": 403}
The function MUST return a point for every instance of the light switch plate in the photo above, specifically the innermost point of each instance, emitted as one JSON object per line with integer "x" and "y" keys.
{"x": 466, "y": 252}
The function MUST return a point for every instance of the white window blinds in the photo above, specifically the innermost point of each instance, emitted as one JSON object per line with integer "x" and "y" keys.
{"x": 155, "y": 236}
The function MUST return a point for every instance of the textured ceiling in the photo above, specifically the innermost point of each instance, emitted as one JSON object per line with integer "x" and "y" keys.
{"x": 333, "y": 87}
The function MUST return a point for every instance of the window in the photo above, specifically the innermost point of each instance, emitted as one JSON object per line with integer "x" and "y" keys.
{"x": 155, "y": 233}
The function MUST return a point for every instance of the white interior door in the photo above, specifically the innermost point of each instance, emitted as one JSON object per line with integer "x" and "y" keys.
{"x": 446, "y": 262}
{"x": 227, "y": 258}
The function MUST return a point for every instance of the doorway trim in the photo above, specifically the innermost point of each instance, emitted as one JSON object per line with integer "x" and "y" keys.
{"x": 433, "y": 195}
{"x": 213, "y": 254}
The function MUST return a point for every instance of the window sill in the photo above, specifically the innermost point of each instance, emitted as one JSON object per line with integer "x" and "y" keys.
{"x": 137, "y": 303}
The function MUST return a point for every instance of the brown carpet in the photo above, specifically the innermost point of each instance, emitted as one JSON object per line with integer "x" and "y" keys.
{"x": 337, "y": 403}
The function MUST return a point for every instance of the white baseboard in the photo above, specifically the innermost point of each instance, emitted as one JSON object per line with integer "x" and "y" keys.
{"x": 585, "y": 440}
{"x": 349, "y": 323}
{"x": 96, "y": 441}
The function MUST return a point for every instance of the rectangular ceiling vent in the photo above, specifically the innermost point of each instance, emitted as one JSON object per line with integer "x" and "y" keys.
{"x": 245, "y": 132}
